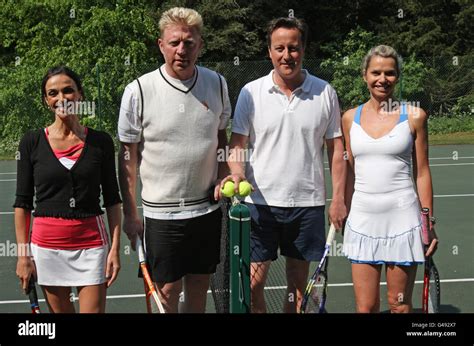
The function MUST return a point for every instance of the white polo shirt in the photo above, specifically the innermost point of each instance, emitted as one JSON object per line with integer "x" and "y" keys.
{"x": 286, "y": 138}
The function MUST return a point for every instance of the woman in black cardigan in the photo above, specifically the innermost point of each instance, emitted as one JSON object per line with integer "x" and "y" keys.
{"x": 66, "y": 166}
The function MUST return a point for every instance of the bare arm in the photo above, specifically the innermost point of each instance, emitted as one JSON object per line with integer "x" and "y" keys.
{"x": 235, "y": 162}
{"x": 347, "y": 120}
{"x": 223, "y": 169}
{"x": 25, "y": 266}
{"x": 421, "y": 167}
{"x": 113, "y": 259}
{"x": 337, "y": 166}
{"x": 128, "y": 164}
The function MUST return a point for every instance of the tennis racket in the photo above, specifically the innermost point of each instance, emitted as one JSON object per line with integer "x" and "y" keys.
{"x": 154, "y": 305}
{"x": 33, "y": 296}
{"x": 314, "y": 298}
{"x": 431, "y": 283}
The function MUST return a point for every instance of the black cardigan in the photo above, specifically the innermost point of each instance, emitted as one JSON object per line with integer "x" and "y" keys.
{"x": 61, "y": 192}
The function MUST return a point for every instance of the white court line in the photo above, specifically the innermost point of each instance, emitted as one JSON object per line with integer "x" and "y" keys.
{"x": 348, "y": 284}
{"x": 431, "y": 158}
{"x": 451, "y": 158}
{"x": 126, "y": 296}
{"x": 433, "y": 165}
{"x": 15, "y": 179}
{"x": 435, "y": 196}
{"x": 452, "y": 164}
{"x": 12, "y": 212}
{"x": 328, "y": 200}
{"x": 121, "y": 296}
{"x": 326, "y": 162}
{"x": 327, "y": 168}
{"x": 116, "y": 171}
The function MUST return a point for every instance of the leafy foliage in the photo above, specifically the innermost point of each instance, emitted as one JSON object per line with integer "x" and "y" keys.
{"x": 109, "y": 43}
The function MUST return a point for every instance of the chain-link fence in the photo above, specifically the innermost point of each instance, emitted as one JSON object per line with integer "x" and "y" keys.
{"x": 441, "y": 86}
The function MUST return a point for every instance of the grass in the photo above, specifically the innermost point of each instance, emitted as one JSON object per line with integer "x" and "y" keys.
{"x": 462, "y": 122}
{"x": 452, "y": 138}
{"x": 6, "y": 157}
{"x": 434, "y": 139}
{"x": 443, "y": 131}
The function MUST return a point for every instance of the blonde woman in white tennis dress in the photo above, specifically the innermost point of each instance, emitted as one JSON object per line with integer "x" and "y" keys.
{"x": 385, "y": 141}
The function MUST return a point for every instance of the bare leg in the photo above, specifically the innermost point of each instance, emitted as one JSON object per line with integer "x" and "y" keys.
{"x": 58, "y": 299}
{"x": 297, "y": 277}
{"x": 400, "y": 283}
{"x": 366, "y": 278}
{"x": 195, "y": 292}
{"x": 169, "y": 294}
{"x": 92, "y": 298}
{"x": 258, "y": 277}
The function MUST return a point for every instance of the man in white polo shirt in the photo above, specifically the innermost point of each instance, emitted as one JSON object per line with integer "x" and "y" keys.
{"x": 172, "y": 123}
{"x": 285, "y": 118}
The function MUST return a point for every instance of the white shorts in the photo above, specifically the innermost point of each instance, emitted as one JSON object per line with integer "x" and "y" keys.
{"x": 70, "y": 268}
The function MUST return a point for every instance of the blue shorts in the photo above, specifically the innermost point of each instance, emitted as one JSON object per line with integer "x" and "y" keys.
{"x": 299, "y": 232}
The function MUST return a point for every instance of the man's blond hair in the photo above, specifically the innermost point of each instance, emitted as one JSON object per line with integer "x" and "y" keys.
{"x": 181, "y": 16}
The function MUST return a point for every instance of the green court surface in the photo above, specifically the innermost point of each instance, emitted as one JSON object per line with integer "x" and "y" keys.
{"x": 452, "y": 168}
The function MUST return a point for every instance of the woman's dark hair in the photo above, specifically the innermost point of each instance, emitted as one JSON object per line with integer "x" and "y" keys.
{"x": 287, "y": 23}
{"x": 57, "y": 71}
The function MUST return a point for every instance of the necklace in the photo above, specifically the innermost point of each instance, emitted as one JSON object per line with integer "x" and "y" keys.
{"x": 383, "y": 116}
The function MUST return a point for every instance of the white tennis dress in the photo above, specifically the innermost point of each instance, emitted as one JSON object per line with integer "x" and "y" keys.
{"x": 384, "y": 223}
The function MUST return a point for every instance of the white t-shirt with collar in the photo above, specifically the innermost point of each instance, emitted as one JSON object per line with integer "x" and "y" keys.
{"x": 286, "y": 138}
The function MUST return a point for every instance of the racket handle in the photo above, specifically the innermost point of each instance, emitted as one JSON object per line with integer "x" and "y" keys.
{"x": 33, "y": 296}
{"x": 31, "y": 285}
{"x": 331, "y": 234}
{"x": 139, "y": 247}
{"x": 425, "y": 226}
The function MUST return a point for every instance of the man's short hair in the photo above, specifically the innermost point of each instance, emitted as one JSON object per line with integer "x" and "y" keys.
{"x": 181, "y": 16}
{"x": 288, "y": 23}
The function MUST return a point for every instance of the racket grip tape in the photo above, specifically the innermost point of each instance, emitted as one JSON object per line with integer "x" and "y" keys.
{"x": 425, "y": 226}
{"x": 33, "y": 296}
{"x": 331, "y": 234}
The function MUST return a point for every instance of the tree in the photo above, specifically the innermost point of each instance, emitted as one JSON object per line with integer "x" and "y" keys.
{"x": 427, "y": 28}
{"x": 347, "y": 66}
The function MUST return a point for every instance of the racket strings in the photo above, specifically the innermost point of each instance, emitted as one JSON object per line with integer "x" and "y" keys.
{"x": 434, "y": 291}
{"x": 316, "y": 297}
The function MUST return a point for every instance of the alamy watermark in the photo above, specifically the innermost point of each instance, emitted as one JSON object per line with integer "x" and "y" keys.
{"x": 77, "y": 107}
{"x": 28, "y": 328}
{"x": 234, "y": 155}
{"x": 392, "y": 106}
{"x": 12, "y": 249}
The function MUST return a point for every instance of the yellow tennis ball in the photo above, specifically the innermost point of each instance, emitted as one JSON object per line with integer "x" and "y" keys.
{"x": 245, "y": 188}
{"x": 228, "y": 189}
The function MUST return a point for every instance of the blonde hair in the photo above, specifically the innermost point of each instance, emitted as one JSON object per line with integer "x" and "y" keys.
{"x": 181, "y": 16}
{"x": 385, "y": 52}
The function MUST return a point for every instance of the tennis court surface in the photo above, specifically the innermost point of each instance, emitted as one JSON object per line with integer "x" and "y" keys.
{"x": 452, "y": 168}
